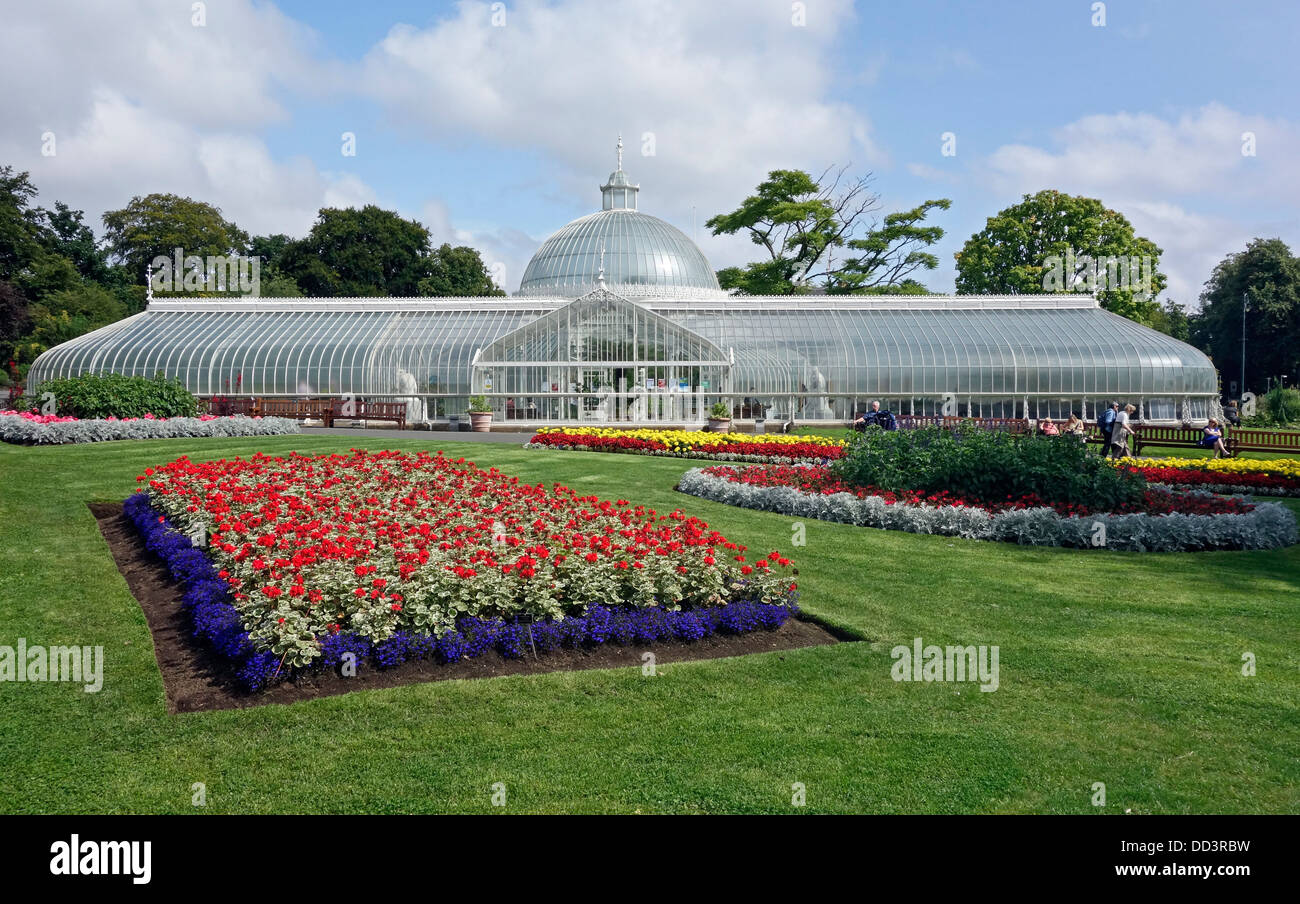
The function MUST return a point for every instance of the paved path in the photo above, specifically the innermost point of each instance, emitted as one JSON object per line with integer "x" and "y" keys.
{"x": 433, "y": 436}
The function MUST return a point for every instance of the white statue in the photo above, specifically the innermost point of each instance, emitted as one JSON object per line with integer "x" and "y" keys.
{"x": 406, "y": 389}
{"x": 601, "y": 414}
{"x": 818, "y": 409}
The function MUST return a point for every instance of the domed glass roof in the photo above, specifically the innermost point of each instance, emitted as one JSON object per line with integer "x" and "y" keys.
{"x": 642, "y": 255}
{"x": 637, "y": 254}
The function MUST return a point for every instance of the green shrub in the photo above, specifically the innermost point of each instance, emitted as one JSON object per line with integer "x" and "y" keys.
{"x": 987, "y": 465}
{"x": 479, "y": 405}
{"x": 1278, "y": 408}
{"x": 113, "y": 395}
{"x": 720, "y": 411}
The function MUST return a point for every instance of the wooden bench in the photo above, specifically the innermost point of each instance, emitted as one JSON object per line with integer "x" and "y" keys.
{"x": 1170, "y": 437}
{"x": 1239, "y": 440}
{"x": 223, "y": 406}
{"x": 1015, "y": 425}
{"x": 366, "y": 410}
{"x": 298, "y": 409}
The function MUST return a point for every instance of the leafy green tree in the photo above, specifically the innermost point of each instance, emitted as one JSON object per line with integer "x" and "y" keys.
{"x": 157, "y": 224}
{"x": 1173, "y": 320}
{"x": 278, "y": 286}
{"x": 364, "y": 252}
{"x": 799, "y": 222}
{"x": 1267, "y": 274}
{"x": 270, "y": 248}
{"x": 20, "y": 244}
{"x": 67, "y": 314}
{"x": 457, "y": 271}
{"x": 65, "y": 234}
{"x": 1025, "y": 248}
{"x": 15, "y": 320}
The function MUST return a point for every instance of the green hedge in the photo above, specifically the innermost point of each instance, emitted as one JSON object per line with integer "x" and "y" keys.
{"x": 988, "y": 466}
{"x": 113, "y": 395}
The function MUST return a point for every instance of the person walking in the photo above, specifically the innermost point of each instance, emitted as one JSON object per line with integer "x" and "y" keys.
{"x": 1106, "y": 424}
{"x": 1120, "y": 431}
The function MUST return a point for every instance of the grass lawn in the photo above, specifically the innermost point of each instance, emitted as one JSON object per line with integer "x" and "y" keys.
{"x": 1114, "y": 667}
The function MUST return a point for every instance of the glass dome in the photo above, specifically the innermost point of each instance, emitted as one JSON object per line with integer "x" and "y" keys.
{"x": 641, "y": 255}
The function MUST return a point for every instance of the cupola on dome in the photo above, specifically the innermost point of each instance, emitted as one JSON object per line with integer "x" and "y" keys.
{"x": 637, "y": 254}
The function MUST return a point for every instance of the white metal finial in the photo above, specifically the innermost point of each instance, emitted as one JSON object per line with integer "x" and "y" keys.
{"x": 148, "y": 283}
{"x": 620, "y": 150}
{"x": 600, "y": 274}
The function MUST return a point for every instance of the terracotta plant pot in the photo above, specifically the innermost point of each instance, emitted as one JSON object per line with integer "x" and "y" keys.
{"x": 719, "y": 425}
{"x": 480, "y": 421}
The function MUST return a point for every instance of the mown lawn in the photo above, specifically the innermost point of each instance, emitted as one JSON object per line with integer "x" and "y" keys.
{"x": 1115, "y": 668}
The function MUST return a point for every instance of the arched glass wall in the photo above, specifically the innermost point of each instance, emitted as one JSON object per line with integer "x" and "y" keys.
{"x": 805, "y": 358}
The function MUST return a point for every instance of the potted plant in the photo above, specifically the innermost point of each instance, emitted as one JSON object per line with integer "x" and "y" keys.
{"x": 720, "y": 418}
{"x": 480, "y": 414}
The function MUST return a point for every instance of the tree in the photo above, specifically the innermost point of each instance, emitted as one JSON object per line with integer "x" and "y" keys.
{"x": 157, "y": 224}
{"x": 457, "y": 271}
{"x": 1173, "y": 320}
{"x": 65, "y": 234}
{"x": 799, "y": 221}
{"x": 1028, "y": 247}
{"x": 277, "y": 285}
{"x": 364, "y": 252}
{"x": 15, "y": 320}
{"x": 19, "y": 230}
{"x": 67, "y": 314}
{"x": 270, "y": 248}
{"x": 1268, "y": 276}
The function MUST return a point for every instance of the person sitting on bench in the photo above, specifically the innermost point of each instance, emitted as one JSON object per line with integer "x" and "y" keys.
{"x": 1213, "y": 439}
{"x": 1076, "y": 428}
{"x": 876, "y": 417}
{"x": 1048, "y": 427}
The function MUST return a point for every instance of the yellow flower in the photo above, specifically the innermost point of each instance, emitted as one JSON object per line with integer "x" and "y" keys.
{"x": 695, "y": 440}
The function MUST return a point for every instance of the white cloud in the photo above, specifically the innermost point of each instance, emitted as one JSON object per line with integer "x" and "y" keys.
{"x": 728, "y": 89}
{"x": 140, "y": 100}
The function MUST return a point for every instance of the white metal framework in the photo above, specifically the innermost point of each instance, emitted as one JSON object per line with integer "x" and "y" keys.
{"x": 619, "y": 319}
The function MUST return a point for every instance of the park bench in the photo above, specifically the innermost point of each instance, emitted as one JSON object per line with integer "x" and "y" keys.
{"x": 1169, "y": 437}
{"x": 1002, "y": 424}
{"x": 366, "y": 410}
{"x": 223, "y": 406}
{"x": 1262, "y": 441}
{"x": 298, "y": 409}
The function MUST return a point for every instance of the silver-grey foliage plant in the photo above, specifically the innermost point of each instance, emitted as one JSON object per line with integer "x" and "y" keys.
{"x": 1268, "y": 526}
{"x": 14, "y": 429}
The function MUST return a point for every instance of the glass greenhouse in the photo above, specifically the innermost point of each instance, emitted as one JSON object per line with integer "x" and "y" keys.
{"x": 619, "y": 320}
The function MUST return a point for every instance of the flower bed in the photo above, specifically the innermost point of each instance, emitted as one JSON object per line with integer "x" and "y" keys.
{"x": 34, "y": 429}
{"x": 690, "y": 444}
{"x": 1166, "y": 520}
{"x": 1278, "y": 477}
{"x": 391, "y": 556}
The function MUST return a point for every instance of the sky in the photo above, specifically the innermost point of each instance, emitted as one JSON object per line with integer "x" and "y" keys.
{"x": 493, "y": 124}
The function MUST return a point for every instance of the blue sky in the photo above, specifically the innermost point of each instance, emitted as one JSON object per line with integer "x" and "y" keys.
{"x": 495, "y": 135}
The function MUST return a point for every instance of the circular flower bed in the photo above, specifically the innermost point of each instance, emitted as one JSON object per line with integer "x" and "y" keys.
{"x": 690, "y": 444}
{"x": 1165, "y": 520}
{"x": 390, "y": 550}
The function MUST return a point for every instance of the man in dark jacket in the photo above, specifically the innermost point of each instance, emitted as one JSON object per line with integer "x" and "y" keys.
{"x": 1106, "y": 423}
